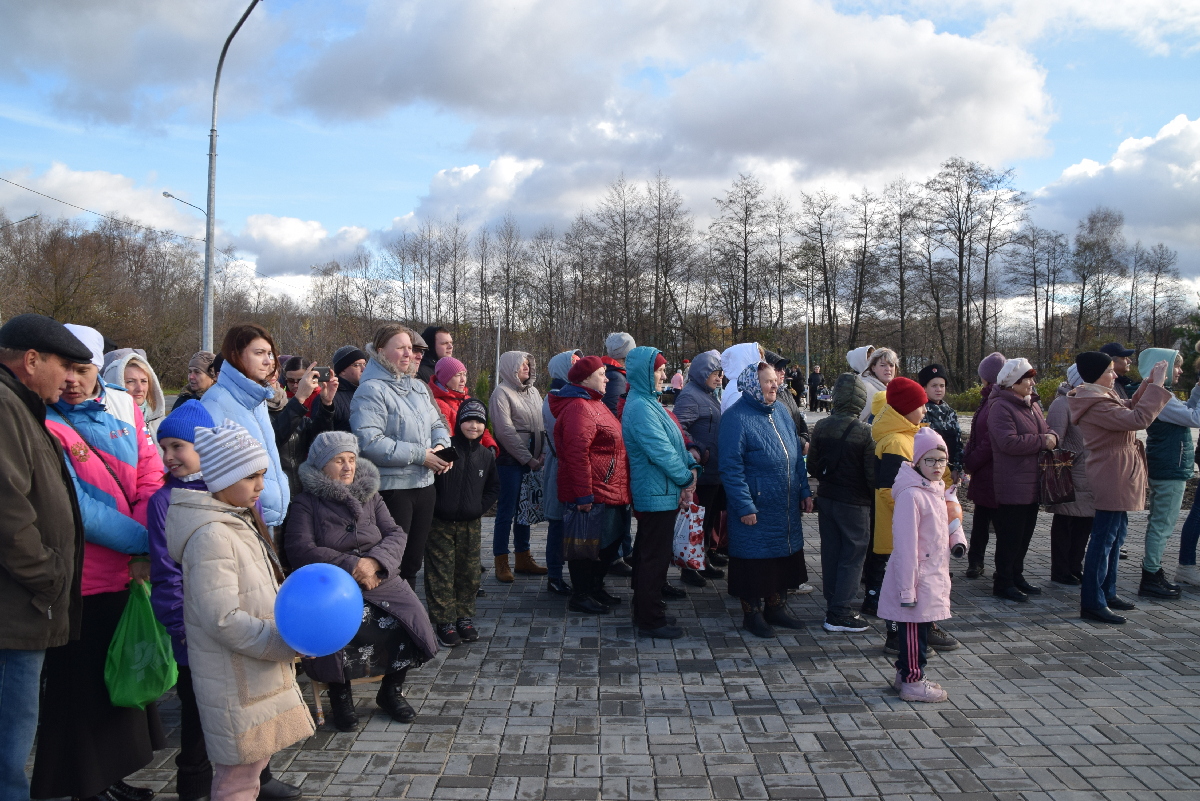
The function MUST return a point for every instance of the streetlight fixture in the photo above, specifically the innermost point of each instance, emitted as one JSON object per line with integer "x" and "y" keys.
{"x": 206, "y": 321}
{"x": 184, "y": 202}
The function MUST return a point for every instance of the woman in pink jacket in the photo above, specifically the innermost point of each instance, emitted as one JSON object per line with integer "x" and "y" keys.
{"x": 916, "y": 587}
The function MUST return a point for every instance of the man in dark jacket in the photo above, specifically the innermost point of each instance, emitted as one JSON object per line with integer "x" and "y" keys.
{"x": 348, "y": 365}
{"x": 41, "y": 531}
{"x": 295, "y": 427}
{"x": 1122, "y": 358}
{"x": 842, "y": 460}
{"x": 815, "y": 382}
{"x": 441, "y": 344}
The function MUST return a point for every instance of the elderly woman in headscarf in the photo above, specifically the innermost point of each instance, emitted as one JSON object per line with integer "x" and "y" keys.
{"x": 552, "y": 507}
{"x": 767, "y": 488}
{"x": 733, "y": 361}
{"x": 1072, "y": 522}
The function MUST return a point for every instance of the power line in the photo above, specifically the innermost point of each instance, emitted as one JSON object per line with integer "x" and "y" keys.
{"x": 125, "y": 222}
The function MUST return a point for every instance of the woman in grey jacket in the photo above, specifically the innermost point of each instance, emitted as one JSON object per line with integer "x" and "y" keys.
{"x": 399, "y": 429}
{"x": 698, "y": 410}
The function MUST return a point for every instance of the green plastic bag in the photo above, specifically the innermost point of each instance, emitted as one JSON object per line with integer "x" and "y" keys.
{"x": 140, "y": 666}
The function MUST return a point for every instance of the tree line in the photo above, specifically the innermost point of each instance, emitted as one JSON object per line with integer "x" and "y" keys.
{"x": 943, "y": 269}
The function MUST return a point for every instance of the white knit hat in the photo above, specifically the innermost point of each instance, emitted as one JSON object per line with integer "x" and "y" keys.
{"x": 92, "y": 338}
{"x": 228, "y": 453}
{"x": 1012, "y": 371}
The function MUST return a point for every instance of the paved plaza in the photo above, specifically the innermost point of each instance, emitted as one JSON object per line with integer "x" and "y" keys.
{"x": 552, "y": 705}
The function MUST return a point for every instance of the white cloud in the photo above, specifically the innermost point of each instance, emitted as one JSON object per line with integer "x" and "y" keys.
{"x": 1153, "y": 180}
{"x": 288, "y": 245}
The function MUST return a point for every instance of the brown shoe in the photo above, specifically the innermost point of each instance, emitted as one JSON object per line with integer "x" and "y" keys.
{"x": 526, "y": 565}
{"x": 502, "y": 571}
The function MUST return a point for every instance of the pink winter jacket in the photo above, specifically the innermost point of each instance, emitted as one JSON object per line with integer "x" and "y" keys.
{"x": 919, "y": 569}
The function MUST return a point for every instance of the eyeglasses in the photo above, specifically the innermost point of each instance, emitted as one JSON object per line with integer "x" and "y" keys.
{"x": 935, "y": 462}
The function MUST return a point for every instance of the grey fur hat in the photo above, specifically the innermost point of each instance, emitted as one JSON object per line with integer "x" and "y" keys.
{"x": 329, "y": 444}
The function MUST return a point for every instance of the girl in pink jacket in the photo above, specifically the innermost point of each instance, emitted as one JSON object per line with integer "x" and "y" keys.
{"x": 926, "y": 528}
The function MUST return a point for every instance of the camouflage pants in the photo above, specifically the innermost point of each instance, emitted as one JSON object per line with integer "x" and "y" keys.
{"x": 452, "y": 570}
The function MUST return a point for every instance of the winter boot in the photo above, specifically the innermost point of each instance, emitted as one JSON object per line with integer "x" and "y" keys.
{"x": 753, "y": 620}
{"x": 689, "y": 576}
{"x": 502, "y": 571}
{"x": 391, "y": 699}
{"x": 527, "y": 566}
{"x": 341, "y": 707}
{"x": 1155, "y": 585}
{"x": 776, "y": 613}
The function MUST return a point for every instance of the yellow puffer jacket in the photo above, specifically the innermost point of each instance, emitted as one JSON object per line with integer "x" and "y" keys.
{"x": 893, "y": 436}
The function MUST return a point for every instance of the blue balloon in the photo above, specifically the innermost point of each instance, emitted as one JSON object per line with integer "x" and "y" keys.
{"x": 319, "y": 609}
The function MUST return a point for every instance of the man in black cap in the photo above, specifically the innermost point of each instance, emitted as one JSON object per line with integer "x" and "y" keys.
{"x": 348, "y": 365}
{"x": 41, "y": 531}
{"x": 1122, "y": 357}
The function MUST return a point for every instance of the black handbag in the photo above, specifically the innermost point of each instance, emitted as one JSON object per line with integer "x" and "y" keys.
{"x": 1055, "y": 483}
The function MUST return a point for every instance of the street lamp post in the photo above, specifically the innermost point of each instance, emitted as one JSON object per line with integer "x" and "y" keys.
{"x": 206, "y": 321}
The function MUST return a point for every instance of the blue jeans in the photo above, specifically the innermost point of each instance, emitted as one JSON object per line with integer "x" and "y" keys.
{"x": 506, "y": 510}
{"x": 1190, "y": 536}
{"x": 554, "y": 549}
{"x": 1103, "y": 555}
{"x": 20, "y": 676}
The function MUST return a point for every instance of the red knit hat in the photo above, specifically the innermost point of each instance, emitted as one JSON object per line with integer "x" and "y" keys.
{"x": 660, "y": 361}
{"x": 583, "y": 368}
{"x": 904, "y": 394}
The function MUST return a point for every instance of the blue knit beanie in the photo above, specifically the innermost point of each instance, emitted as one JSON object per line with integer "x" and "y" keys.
{"x": 183, "y": 422}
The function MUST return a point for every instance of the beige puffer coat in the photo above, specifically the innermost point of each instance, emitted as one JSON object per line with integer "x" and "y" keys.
{"x": 516, "y": 411}
{"x": 250, "y": 705}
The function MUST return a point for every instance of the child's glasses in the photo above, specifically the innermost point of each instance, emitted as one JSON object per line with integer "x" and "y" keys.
{"x": 935, "y": 462}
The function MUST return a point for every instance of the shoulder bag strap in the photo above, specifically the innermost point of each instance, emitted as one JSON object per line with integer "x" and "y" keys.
{"x": 107, "y": 466}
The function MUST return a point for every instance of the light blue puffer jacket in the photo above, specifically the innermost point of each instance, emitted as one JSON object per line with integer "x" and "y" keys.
{"x": 764, "y": 476}
{"x": 659, "y": 464}
{"x": 237, "y": 398}
{"x": 396, "y": 420}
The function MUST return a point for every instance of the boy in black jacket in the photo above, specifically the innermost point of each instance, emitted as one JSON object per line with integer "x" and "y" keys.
{"x": 464, "y": 493}
{"x": 841, "y": 458}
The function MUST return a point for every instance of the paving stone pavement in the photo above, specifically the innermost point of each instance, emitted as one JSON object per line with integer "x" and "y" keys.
{"x": 552, "y": 705}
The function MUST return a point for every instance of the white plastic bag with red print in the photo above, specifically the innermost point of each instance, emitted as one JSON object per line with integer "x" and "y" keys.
{"x": 689, "y": 538}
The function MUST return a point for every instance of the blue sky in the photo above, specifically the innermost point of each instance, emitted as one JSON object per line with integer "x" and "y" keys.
{"x": 341, "y": 120}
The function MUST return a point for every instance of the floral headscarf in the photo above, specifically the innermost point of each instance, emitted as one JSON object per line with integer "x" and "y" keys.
{"x": 747, "y": 384}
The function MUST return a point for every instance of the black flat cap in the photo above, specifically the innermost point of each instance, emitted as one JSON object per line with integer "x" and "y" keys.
{"x": 1117, "y": 349}
{"x": 36, "y": 332}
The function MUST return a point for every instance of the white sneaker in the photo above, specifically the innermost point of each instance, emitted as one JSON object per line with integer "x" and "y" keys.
{"x": 924, "y": 690}
{"x": 805, "y": 589}
{"x": 1188, "y": 574}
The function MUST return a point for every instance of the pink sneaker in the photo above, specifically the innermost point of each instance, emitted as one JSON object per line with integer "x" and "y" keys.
{"x": 923, "y": 690}
{"x": 898, "y": 682}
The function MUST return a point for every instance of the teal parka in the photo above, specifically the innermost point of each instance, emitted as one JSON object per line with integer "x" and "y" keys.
{"x": 659, "y": 464}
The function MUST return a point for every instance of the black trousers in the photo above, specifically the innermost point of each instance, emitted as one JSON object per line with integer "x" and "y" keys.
{"x": 193, "y": 778}
{"x": 412, "y": 509}
{"x": 914, "y": 647}
{"x": 1068, "y": 543}
{"x": 844, "y": 536}
{"x": 651, "y": 559}
{"x": 984, "y": 517}
{"x": 587, "y": 575}
{"x": 712, "y": 498}
{"x": 1014, "y": 531}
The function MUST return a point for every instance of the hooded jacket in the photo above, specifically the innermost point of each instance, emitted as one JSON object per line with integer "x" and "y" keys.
{"x": 659, "y": 464}
{"x": 733, "y": 361}
{"x": 763, "y": 473}
{"x": 166, "y": 576}
{"x": 114, "y": 514}
{"x": 155, "y": 407}
{"x": 41, "y": 563}
{"x": 250, "y": 705}
{"x": 1070, "y": 438}
{"x": 1170, "y": 450}
{"x": 1018, "y": 431}
{"x": 558, "y": 366}
{"x": 237, "y": 398}
{"x": 592, "y": 464}
{"x": 395, "y": 421}
{"x": 448, "y": 401}
{"x": 516, "y": 412}
{"x": 1116, "y": 459}
{"x": 844, "y": 463}
{"x": 977, "y": 455}
{"x": 338, "y": 524}
{"x": 430, "y": 359}
{"x": 857, "y": 358}
{"x": 893, "y": 435}
{"x": 699, "y": 411}
{"x": 470, "y": 489}
{"x": 919, "y": 568}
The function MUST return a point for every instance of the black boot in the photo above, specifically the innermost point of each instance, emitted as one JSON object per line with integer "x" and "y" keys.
{"x": 391, "y": 700}
{"x": 692, "y": 577}
{"x": 753, "y": 620}
{"x": 778, "y": 614}
{"x": 341, "y": 707}
{"x": 1155, "y": 585}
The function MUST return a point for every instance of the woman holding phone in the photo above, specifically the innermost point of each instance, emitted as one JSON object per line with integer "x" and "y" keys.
{"x": 400, "y": 431}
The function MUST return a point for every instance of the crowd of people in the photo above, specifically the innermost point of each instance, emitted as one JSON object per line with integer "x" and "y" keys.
{"x": 383, "y": 465}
